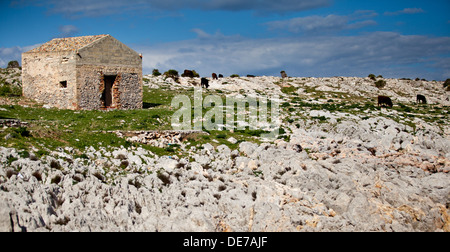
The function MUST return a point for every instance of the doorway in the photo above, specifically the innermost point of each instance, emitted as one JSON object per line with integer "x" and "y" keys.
{"x": 107, "y": 96}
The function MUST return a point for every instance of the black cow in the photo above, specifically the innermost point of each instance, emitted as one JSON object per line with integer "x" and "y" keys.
{"x": 384, "y": 100}
{"x": 220, "y": 75}
{"x": 205, "y": 83}
{"x": 421, "y": 99}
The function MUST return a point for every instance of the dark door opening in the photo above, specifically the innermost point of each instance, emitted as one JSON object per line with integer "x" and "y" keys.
{"x": 107, "y": 95}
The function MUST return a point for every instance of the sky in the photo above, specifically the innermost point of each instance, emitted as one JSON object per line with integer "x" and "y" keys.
{"x": 321, "y": 38}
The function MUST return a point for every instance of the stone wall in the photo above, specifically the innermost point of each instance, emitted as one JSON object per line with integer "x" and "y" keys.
{"x": 49, "y": 77}
{"x": 109, "y": 51}
{"x": 109, "y": 56}
{"x": 127, "y": 89}
{"x": 130, "y": 91}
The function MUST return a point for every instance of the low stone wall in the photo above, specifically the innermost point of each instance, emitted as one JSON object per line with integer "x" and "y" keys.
{"x": 157, "y": 138}
{"x": 12, "y": 123}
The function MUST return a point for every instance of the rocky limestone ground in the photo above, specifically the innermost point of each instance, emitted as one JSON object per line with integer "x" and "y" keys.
{"x": 361, "y": 171}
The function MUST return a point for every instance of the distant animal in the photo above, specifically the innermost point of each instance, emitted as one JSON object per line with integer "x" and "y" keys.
{"x": 283, "y": 74}
{"x": 205, "y": 83}
{"x": 220, "y": 75}
{"x": 214, "y": 76}
{"x": 384, "y": 100}
{"x": 421, "y": 99}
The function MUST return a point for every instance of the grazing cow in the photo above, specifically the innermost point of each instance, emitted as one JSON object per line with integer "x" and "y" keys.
{"x": 283, "y": 74}
{"x": 205, "y": 83}
{"x": 421, "y": 99}
{"x": 384, "y": 100}
{"x": 214, "y": 76}
{"x": 220, "y": 75}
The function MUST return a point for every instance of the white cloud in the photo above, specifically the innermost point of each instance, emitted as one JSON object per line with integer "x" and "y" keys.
{"x": 385, "y": 53}
{"x": 8, "y": 54}
{"x": 68, "y": 30}
{"x": 323, "y": 24}
{"x": 405, "y": 11}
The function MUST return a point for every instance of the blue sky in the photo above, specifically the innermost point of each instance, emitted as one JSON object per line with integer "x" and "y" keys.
{"x": 393, "y": 38}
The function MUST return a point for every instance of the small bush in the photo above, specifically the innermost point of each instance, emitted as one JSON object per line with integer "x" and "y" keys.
{"x": 194, "y": 74}
{"x": 172, "y": 73}
{"x": 372, "y": 77}
{"x": 23, "y": 131}
{"x": 13, "y": 64}
{"x": 197, "y": 75}
{"x": 234, "y": 76}
{"x": 8, "y": 90}
{"x": 380, "y": 84}
{"x": 156, "y": 72}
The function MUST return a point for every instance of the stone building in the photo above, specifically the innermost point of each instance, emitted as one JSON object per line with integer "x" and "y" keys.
{"x": 89, "y": 72}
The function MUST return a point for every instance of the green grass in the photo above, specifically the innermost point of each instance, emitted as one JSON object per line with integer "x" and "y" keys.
{"x": 49, "y": 129}
{"x": 52, "y": 128}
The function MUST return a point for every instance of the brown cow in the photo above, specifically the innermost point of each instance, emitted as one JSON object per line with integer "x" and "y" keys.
{"x": 384, "y": 100}
{"x": 214, "y": 76}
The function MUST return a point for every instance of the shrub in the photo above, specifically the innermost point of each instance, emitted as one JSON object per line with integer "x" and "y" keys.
{"x": 372, "y": 77}
{"x": 234, "y": 75}
{"x": 190, "y": 73}
{"x": 171, "y": 73}
{"x": 197, "y": 75}
{"x": 8, "y": 90}
{"x": 23, "y": 131}
{"x": 380, "y": 84}
{"x": 13, "y": 64}
{"x": 156, "y": 72}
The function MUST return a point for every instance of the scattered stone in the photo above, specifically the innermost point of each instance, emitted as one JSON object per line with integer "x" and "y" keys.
{"x": 232, "y": 140}
{"x": 338, "y": 172}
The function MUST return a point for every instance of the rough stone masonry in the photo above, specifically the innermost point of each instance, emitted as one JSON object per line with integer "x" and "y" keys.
{"x": 90, "y": 72}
